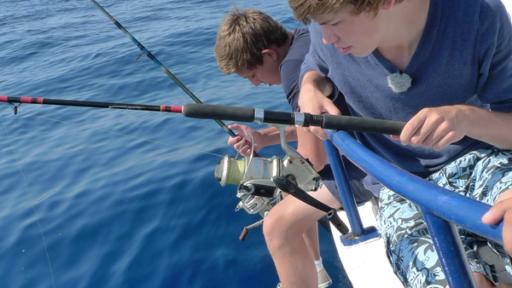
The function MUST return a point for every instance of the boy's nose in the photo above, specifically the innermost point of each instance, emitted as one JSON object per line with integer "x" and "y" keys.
{"x": 328, "y": 37}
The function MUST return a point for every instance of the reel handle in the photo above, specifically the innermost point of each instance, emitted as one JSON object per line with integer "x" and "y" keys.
{"x": 246, "y": 229}
{"x": 244, "y": 233}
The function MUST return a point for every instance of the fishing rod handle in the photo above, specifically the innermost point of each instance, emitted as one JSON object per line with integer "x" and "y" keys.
{"x": 236, "y": 113}
{"x": 334, "y": 122}
{"x": 371, "y": 125}
{"x": 218, "y": 112}
{"x": 245, "y": 114}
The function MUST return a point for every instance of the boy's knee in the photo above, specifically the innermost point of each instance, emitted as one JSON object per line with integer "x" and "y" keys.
{"x": 272, "y": 231}
{"x": 278, "y": 227}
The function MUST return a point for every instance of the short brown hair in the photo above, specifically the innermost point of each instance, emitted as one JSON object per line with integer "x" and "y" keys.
{"x": 304, "y": 10}
{"x": 242, "y": 36}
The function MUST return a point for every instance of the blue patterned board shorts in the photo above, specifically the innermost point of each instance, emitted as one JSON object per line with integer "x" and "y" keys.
{"x": 481, "y": 175}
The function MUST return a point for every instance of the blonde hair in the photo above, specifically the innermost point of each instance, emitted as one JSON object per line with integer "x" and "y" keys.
{"x": 305, "y": 10}
{"x": 242, "y": 36}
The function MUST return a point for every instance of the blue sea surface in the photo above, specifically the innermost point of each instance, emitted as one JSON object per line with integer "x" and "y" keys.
{"x": 116, "y": 198}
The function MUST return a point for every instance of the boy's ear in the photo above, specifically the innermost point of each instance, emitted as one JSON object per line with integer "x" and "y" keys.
{"x": 388, "y": 4}
{"x": 270, "y": 52}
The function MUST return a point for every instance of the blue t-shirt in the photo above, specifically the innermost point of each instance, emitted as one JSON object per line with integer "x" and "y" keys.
{"x": 463, "y": 57}
{"x": 290, "y": 66}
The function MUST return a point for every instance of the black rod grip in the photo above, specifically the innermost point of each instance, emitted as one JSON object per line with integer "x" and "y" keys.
{"x": 351, "y": 123}
{"x": 219, "y": 112}
{"x": 277, "y": 117}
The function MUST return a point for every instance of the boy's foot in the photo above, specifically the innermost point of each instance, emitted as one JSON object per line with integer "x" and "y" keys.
{"x": 323, "y": 279}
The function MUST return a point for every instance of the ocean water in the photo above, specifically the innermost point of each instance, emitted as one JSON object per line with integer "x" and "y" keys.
{"x": 111, "y": 198}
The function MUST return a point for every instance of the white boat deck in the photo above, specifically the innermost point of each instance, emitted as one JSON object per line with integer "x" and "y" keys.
{"x": 366, "y": 263}
{"x": 508, "y": 5}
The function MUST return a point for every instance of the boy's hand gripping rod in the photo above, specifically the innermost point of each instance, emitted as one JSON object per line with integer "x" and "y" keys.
{"x": 233, "y": 113}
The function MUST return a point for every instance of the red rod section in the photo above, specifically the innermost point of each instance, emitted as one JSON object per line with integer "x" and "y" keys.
{"x": 91, "y": 104}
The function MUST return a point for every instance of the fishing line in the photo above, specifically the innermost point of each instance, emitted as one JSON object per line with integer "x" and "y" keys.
{"x": 19, "y": 168}
{"x": 34, "y": 204}
{"x": 153, "y": 58}
{"x": 164, "y": 145}
{"x": 47, "y": 254}
{"x": 115, "y": 133}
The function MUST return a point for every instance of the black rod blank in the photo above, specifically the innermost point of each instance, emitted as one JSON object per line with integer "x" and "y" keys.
{"x": 334, "y": 122}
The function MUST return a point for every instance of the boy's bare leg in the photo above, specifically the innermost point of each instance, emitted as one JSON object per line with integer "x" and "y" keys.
{"x": 481, "y": 281}
{"x": 283, "y": 228}
{"x": 311, "y": 238}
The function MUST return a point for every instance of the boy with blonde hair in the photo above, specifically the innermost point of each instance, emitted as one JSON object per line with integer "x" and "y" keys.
{"x": 444, "y": 67}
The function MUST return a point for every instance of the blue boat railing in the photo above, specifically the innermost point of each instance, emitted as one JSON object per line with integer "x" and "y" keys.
{"x": 441, "y": 208}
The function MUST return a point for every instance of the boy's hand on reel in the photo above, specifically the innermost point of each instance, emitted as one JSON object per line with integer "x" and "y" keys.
{"x": 245, "y": 138}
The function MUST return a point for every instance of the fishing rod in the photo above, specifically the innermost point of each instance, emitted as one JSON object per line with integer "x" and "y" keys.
{"x": 156, "y": 61}
{"x": 234, "y": 113}
{"x": 260, "y": 181}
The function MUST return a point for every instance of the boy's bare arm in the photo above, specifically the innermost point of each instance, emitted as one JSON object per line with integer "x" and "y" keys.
{"x": 311, "y": 147}
{"x": 488, "y": 126}
{"x": 314, "y": 91}
{"x": 272, "y": 135}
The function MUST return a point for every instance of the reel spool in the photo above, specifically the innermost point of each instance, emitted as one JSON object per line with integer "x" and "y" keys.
{"x": 253, "y": 177}
{"x": 230, "y": 171}
{"x": 237, "y": 171}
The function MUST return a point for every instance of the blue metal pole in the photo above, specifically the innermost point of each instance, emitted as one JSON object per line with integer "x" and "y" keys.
{"x": 445, "y": 204}
{"x": 358, "y": 233}
{"x": 345, "y": 192}
{"x": 449, "y": 250}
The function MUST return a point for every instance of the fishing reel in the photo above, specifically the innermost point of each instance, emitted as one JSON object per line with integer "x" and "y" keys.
{"x": 253, "y": 176}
